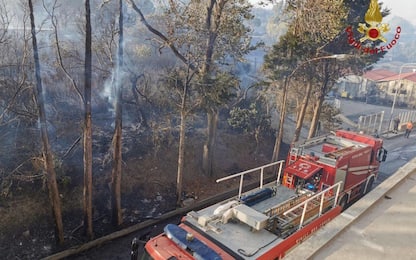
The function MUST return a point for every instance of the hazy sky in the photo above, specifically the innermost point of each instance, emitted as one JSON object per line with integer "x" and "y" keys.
{"x": 402, "y": 8}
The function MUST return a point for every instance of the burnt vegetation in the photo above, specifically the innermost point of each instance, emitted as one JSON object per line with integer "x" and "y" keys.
{"x": 153, "y": 81}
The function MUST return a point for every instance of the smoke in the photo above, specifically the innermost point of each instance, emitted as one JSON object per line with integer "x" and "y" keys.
{"x": 110, "y": 86}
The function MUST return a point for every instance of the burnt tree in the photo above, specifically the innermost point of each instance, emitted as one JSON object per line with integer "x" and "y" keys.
{"x": 47, "y": 152}
{"x": 87, "y": 134}
{"x": 116, "y": 214}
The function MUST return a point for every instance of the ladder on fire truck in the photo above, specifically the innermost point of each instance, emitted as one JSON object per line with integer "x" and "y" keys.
{"x": 293, "y": 156}
{"x": 288, "y": 180}
{"x": 292, "y": 215}
{"x": 337, "y": 153}
{"x": 281, "y": 208}
{"x": 297, "y": 149}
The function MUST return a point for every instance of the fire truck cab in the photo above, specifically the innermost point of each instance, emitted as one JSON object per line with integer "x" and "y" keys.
{"x": 345, "y": 156}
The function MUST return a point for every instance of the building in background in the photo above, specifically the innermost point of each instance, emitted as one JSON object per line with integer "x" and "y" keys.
{"x": 379, "y": 86}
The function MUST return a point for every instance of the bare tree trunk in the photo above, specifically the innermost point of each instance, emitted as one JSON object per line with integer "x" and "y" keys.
{"x": 182, "y": 137}
{"x": 209, "y": 146}
{"x": 318, "y": 105}
{"x": 87, "y": 191}
{"x": 47, "y": 153}
{"x": 116, "y": 213}
{"x": 214, "y": 13}
{"x": 302, "y": 112}
{"x": 324, "y": 89}
{"x": 181, "y": 157}
{"x": 280, "y": 128}
{"x": 316, "y": 115}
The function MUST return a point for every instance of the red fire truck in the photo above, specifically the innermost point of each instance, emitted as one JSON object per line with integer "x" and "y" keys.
{"x": 321, "y": 177}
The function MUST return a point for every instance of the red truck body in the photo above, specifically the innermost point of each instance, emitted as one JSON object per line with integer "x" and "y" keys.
{"x": 344, "y": 156}
{"x": 320, "y": 177}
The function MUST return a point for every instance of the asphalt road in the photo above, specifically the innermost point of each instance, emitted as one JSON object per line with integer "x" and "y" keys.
{"x": 400, "y": 149}
{"x": 354, "y": 109}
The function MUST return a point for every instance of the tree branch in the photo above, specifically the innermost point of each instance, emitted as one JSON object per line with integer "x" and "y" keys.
{"x": 58, "y": 50}
{"x": 161, "y": 36}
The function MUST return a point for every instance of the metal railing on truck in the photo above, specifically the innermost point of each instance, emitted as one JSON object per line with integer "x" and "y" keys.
{"x": 278, "y": 164}
{"x": 319, "y": 196}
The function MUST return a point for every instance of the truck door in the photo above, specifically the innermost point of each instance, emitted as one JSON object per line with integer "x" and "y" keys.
{"x": 340, "y": 175}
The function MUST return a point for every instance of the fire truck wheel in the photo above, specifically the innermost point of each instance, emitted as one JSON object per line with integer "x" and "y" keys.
{"x": 343, "y": 202}
{"x": 369, "y": 186}
{"x": 363, "y": 188}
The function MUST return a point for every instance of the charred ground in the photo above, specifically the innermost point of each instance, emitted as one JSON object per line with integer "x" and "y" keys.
{"x": 149, "y": 177}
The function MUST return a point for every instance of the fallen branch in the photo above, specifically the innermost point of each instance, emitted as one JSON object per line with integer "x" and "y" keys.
{"x": 82, "y": 224}
{"x": 71, "y": 147}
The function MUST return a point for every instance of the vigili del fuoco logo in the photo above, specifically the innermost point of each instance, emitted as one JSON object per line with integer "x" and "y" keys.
{"x": 372, "y": 31}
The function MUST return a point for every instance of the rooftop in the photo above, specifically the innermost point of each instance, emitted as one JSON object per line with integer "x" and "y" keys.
{"x": 382, "y": 75}
{"x": 378, "y": 74}
{"x": 408, "y": 75}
